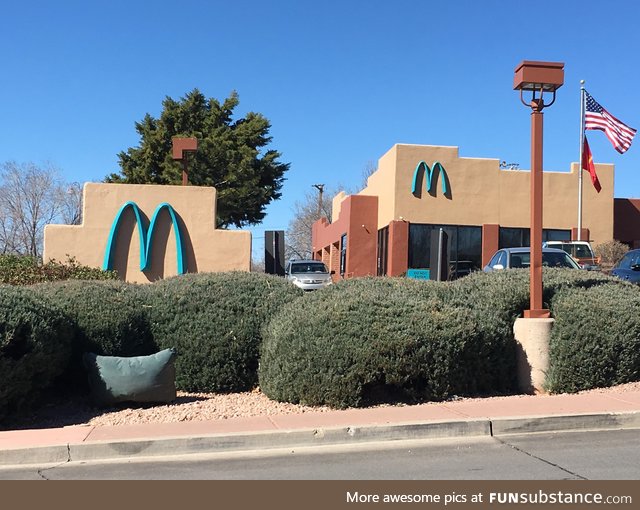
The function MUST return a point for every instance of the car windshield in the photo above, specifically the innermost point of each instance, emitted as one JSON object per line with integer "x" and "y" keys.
{"x": 577, "y": 249}
{"x": 557, "y": 260}
{"x": 549, "y": 259}
{"x": 308, "y": 267}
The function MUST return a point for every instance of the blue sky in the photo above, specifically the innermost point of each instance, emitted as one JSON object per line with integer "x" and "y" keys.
{"x": 340, "y": 81}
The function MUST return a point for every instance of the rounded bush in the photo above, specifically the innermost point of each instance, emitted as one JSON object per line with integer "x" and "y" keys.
{"x": 595, "y": 341}
{"x": 576, "y": 343}
{"x": 35, "y": 341}
{"x": 109, "y": 318}
{"x": 213, "y": 320}
{"x": 507, "y": 292}
{"x": 368, "y": 340}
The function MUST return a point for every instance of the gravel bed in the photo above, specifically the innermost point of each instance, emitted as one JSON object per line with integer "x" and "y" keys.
{"x": 192, "y": 407}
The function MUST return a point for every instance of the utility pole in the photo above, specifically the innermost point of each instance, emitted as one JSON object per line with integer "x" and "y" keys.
{"x": 320, "y": 188}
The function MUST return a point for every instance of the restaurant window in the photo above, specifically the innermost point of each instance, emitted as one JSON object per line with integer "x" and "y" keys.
{"x": 517, "y": 237}
{"x": 464, "y": 247}
{"x": 383, "y": 251}
{"x": 343, "y": 255}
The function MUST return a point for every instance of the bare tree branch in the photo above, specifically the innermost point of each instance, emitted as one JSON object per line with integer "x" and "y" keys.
{"x": 30, "y": 197}
{"x": 298, "y": 237}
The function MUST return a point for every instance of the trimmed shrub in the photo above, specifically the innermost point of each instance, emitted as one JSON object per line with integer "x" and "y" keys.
{"x": 213, "y": 320}
{"x": 368, "y": 340}
{"x": 35, "y": 341}
{"x": 506, "y": 293}
{"x": 109, "y": 318}
{"x": 24, "y": 270}
{"x": 595, "y": 341}
{"x": 575, "y": 362}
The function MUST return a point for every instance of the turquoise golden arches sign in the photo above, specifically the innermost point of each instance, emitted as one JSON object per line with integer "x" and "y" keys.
{"x": 146, "y": 237}
{"x": 431, "y": 177}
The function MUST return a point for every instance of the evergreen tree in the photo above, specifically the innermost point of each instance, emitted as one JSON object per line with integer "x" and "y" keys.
{"x": 230, "y": 155}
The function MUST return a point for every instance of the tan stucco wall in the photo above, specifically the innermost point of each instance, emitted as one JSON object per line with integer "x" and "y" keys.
{"x": 482, "y": 193}
{"x": 381, "y": 183}
{"x": 206, "y": 248}
{"x": 336, "y": 204}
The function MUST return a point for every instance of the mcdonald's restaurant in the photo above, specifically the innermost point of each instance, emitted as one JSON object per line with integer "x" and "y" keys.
{"x": 418, "y": 191}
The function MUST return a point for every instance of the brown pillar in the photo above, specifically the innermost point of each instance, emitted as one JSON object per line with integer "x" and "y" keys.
{"x": 490, "y": 242}
{"x": 398, "y": 254}
{"x": 584, "y": 236}
{"x": 535, "y": 269}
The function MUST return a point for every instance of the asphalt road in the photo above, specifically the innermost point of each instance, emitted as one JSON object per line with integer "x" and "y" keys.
{"x": 603, "y": 455}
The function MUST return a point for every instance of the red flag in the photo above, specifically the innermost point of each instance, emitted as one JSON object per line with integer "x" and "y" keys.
{"x": 587, "y": 164}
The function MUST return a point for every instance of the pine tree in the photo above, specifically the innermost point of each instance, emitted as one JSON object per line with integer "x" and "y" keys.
{"x": 231, "y": 155}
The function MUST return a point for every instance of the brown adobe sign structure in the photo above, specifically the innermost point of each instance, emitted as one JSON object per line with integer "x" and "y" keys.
{"x": 181, "y": 148}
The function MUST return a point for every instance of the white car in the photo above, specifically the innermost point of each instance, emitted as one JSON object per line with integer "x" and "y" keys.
{"x": 308, "y": 274}
{"x": 581, "y": 252}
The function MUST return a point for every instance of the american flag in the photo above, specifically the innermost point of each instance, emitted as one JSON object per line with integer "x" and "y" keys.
{"x": 596, "y": 117}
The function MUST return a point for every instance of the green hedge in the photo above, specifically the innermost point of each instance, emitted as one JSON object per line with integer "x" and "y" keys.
{"x": 355, "y": 343}
{"x": 374, "y": 339}
{"x": 35, "y": 342}
{"x": 506, "y": 293}
{"x": 109, "y": 318}
{"x": 595, "y": 341}
{"x": 24, "y": 270}
{"x": 213, "y": 320}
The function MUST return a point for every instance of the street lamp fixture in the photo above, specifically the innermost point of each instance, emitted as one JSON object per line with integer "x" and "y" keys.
{"x": 320, "y": 188}
{"x": 539, "y": 78}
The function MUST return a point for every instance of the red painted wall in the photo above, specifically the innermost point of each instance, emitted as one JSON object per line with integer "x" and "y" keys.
{"x": 626, "y": 221}
{"x": 358, "y": 219}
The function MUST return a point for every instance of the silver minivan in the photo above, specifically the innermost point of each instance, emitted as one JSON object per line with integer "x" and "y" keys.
{"x": 308, "y": 274}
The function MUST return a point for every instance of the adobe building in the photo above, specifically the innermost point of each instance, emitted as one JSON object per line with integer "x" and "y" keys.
{"x": 386, "y": 228}
{"x": 626, "y": 221}
{"x": 147, "y": 232}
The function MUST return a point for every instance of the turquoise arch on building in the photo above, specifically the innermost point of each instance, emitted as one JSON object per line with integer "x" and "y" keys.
{"x": 431, "y": 176}
{"x": 146, "y": 236}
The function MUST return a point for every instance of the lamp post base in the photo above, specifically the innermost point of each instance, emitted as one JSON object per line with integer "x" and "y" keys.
{"x": 532, "y": 354}
{"x": 537, "y": 314}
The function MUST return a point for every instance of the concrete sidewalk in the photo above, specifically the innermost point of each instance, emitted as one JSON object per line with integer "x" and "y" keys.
{"x": 496, "y": 416}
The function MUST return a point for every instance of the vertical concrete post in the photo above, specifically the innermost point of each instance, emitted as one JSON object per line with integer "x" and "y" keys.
{"x": 532, "y": 338}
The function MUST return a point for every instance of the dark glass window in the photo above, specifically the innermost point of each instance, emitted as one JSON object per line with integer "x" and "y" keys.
{"x": 517, "y": 237}
{"x": 383, "y": 250}
{"x": 556, "y": 235}
{"x": 469, "y": 250}
{"x": 419, "y": 246}
{"x": 464, "y": 247}
{"x": 513, "y": 237}
{"x": 343, "y": 254}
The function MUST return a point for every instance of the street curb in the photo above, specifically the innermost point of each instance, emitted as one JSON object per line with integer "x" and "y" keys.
{"x": 220, "y": 443}
{"x": 563, "y": 423}
{"x": 36, "y": 455}
{"x": 280, "y": 439}
{"x": 107, "y": 450}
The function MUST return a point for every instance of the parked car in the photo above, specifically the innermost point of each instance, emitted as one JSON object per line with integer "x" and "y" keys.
{"x": 308, "y": 274}
{"x": 509, "y": 258}
{"x": 628, "y": 267}
{"x": 581, "y": 252}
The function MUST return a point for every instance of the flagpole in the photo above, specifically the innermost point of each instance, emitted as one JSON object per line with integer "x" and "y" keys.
{"x": 580, "y": 160}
